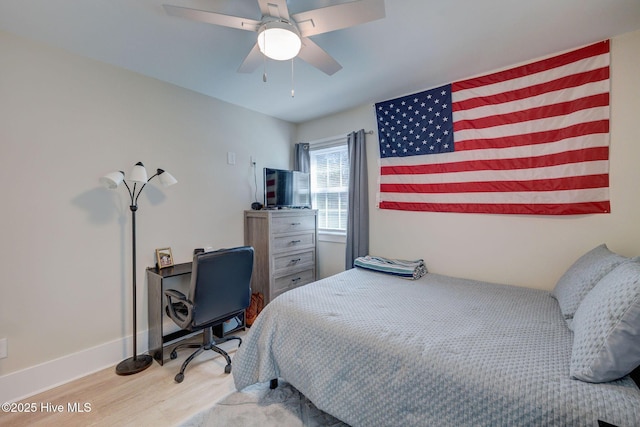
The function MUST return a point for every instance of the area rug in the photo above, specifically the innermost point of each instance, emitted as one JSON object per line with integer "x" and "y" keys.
{"x": 259, "y": 406}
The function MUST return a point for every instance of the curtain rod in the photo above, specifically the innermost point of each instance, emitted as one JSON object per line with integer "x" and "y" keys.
{"x": 366, "y": 132}
{"x": 332, "y": 139}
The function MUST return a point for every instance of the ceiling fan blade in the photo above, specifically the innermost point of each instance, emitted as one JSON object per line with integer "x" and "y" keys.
{"x": 316, "y": 56}
{"x": 338, "y": 16}
{"x": 275, "y": 8}
{"x": 252, "y": 61}
{"x": 213, "y": 18}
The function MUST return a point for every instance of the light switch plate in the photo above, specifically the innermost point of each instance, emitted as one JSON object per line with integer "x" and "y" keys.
{"x": 231, "y": 158}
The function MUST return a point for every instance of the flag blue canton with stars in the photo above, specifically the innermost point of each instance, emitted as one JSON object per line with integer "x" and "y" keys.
{"x": 416, "y": 124}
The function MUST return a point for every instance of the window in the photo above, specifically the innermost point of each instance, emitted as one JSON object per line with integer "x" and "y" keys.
{"x": 330, "y": 185}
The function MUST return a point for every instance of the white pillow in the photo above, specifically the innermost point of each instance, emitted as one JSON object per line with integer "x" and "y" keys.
{"x": 582, "y": 276}
{"x": 606, "y": 342}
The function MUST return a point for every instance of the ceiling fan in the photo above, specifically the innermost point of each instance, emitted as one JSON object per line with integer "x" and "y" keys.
{"x": 282, "y": 36}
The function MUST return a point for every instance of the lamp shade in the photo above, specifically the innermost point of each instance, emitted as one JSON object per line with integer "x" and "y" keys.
{"x": 279, "y": 40}
{"x": 138, "y": 173}
{"x": 112, "y": 180}
{"x": 166, "y": 179}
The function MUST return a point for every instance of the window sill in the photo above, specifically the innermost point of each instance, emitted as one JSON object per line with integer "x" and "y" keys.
{"x": 326, "y": 236}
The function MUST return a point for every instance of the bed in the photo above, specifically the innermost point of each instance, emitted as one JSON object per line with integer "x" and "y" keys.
{"x": 373, "y": 349}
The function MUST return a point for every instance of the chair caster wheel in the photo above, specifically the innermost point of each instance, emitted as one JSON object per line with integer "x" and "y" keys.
{"x": 179, "y": 377}
{"x": 173, "y": 355}
{"x": 227, "y": 369}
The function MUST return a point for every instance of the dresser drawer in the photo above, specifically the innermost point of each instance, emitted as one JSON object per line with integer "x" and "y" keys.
{"x": 284, "y": 243}
{"x": 291, "y": 281}
{"x": 288, "y": 224}
{"x": 293, "y": 260}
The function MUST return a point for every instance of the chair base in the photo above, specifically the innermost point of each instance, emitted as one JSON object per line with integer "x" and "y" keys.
{"x": 209, "y": 343}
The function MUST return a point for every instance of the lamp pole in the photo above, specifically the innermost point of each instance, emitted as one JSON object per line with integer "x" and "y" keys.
{"x": 136, "y": 363}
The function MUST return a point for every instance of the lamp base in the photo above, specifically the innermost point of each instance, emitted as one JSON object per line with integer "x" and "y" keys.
{"x": 133, "y": 365}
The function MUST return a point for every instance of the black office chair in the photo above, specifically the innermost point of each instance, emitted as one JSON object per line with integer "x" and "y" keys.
{"x": 220, "y": 290}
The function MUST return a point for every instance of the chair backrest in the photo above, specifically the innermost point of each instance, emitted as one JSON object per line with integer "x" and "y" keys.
{"x": 220, "y": 283}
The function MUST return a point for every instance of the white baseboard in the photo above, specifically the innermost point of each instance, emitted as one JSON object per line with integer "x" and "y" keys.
{"x": 19, "y": 385}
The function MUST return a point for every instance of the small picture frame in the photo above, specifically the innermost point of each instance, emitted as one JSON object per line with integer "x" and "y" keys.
{"x": 164, "y": 258}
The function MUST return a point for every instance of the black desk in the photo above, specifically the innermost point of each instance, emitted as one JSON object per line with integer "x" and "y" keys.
{"x": 156, "y": 311}
{"x": 155, "y": 307}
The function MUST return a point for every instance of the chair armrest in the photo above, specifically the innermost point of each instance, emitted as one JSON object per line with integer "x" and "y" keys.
{"x": 183, "y": 303}
{"x": 172, "y": 293}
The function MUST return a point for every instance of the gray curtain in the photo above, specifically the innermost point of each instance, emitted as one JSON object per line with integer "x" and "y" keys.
{"x": 358, "y": 214}
{"x": 301, "y": 159}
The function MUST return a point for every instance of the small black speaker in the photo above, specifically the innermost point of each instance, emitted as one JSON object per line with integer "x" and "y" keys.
{"x": 256, "y": 206}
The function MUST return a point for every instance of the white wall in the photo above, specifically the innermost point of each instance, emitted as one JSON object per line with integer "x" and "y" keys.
{"x": 523, "y": 250}
{"x": 65, "y": 121}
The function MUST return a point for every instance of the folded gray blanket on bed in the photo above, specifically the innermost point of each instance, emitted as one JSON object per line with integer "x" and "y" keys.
{"x": 397, "y": 267}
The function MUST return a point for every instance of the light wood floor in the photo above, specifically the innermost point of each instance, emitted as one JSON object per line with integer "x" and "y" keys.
{"x": 150, "y": 397}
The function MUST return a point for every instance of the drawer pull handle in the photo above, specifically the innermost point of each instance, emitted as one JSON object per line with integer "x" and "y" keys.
{"x": 297, "y": 279}
{"x": 293, "y": 242}
{"x": 295, "y": 223}
{"x": 293, "y": 261}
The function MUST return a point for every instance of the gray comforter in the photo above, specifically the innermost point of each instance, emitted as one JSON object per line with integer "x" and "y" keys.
{"x": 377, "y": 350}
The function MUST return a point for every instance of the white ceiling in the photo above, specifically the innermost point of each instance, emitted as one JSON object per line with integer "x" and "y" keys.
{"x": 418, "y": 45}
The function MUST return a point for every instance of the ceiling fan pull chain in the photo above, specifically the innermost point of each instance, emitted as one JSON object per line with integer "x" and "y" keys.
{"x": 264, "y": 57}
{"x": 293, "y": 93}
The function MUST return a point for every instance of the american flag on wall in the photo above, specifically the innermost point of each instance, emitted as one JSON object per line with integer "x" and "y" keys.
{"x": 533, "y": 139}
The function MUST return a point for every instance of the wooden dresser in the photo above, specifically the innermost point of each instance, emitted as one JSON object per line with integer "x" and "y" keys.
{"x": 285, "y": 249}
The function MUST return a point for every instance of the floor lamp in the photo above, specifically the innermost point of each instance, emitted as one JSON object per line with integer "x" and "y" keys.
{"x": 112, "y": 180}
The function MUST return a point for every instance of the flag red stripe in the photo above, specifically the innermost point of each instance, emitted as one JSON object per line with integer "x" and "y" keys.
{"x": 581, "y": 129}
{"x": 567, "y": 157}
{"x": 521, "y": 209}
{"x": 553, "y": 110}
{"x": 535, "y": 67}
{"x": 554, "y": 184}
{"x": 571, "y": 81}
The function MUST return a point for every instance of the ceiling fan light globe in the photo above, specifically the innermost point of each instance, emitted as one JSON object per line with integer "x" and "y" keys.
{"x": 279, "y": 41}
